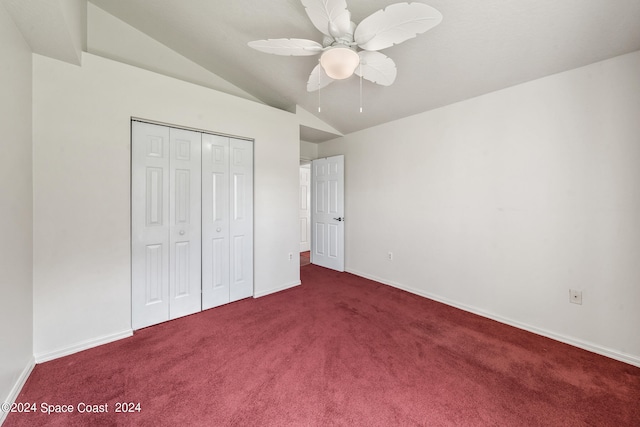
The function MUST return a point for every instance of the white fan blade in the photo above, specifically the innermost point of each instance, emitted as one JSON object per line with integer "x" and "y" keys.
{"x": 318, "y": 79}
{"x": 330, "y": 17}
{"x": 395, "y": 24}
{"x": 287, "y": 47}
{"x": 376, "y": 67}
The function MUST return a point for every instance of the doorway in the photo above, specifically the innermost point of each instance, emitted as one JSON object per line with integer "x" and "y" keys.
{"x": 327, "y": 212}
{"x": 322, "y": 212}
{"x": 305, "y": 213}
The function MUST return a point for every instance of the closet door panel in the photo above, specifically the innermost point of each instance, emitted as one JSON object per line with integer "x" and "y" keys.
{"x": 185, "y": 227}
{"x": 215, "y": 220}
{"x": 149, "y": 224}
{"x": 192, "y": 222}
{"x": 241, "y": 218}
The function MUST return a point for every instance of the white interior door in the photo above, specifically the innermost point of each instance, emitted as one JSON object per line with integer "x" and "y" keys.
{"x": 184, "y": 214}
{"x": 215, "y": 220}
{"x": 241, "y": 226}
{"x": 191, "y": 220}
{"x": 305, "y": 210}
{"x": 327, "y": 212}
{"x": 149, "y": 224}
{"x": 227, "y": 220}
{"x": 165, "y": 224}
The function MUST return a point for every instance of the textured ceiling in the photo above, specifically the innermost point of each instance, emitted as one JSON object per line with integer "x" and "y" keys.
{"x": 480, "y": 47}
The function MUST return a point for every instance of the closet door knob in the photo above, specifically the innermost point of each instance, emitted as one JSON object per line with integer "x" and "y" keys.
{"x": 218, "y": 229}
{"x": 182, "y": 232}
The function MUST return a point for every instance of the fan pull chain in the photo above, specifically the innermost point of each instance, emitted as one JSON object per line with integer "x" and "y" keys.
{"x": 360, "y": 72}
{"x": 319, "y": 109}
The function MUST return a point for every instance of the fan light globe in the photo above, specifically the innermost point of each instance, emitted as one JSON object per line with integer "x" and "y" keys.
{"x": 339, "y": 62}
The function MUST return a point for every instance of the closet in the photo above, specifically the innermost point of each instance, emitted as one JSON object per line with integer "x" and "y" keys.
{"x": 191, "y": 221}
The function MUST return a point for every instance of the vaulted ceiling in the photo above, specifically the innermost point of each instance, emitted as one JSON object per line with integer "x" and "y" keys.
{"x": 480, "y": 47}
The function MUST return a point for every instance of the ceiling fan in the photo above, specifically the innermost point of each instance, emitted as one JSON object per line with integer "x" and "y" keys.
{"x": 348, "y": 48}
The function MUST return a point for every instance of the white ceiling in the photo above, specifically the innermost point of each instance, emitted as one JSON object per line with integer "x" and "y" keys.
{"x": 51, "y": 27}
{"x": 480, "y": 47}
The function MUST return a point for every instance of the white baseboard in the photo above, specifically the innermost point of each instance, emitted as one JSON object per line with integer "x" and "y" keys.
{"x": 273, "y": 291}
{"x": 17, "y": 387}
{"x": 84, "y": 345}
{"x": 585, "y": 345}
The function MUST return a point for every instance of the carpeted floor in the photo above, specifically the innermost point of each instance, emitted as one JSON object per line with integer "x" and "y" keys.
{"x": 337, "y": 350}
{"x": 305, "y": 258}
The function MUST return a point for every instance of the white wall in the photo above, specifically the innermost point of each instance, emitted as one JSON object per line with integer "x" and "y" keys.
{"x": 502, "y": 203}
{"x": 16, "y": 311}
{"x": 308, "y": 150}
{"x": 112, "y": 38}
{"x": 75, "y": 13}
{"x": 55, "y": 28}
{"x": 81, "y": 157}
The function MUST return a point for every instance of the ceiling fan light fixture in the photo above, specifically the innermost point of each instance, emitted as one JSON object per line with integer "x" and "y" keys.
{"x": 348, "y": 48}
{"x": 339, "y": 62}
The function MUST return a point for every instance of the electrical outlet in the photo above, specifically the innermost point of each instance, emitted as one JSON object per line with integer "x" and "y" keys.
{"x": 390, "y": 256}
{"x": 290, "y": 256}
{"x": 575, "y": 297}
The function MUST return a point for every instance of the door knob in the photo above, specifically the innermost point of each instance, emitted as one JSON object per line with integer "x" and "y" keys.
{"x": 339, "y": 219}
{"x": 182, "y": 232}
{"x": 218, "y": 229}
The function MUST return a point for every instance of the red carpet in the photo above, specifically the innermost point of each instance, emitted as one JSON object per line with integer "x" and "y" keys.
{"x": 338, "y": 350}
{"x": 305, "y": 258}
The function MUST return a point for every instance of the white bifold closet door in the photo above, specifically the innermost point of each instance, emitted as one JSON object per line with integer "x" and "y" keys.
{"x": 166, "y": 225}
{"x": 191, "y": 222}
{"x": 227, "y": 220}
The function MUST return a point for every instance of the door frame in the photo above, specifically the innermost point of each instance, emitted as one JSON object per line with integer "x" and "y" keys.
{"x": 306, "y": 166}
